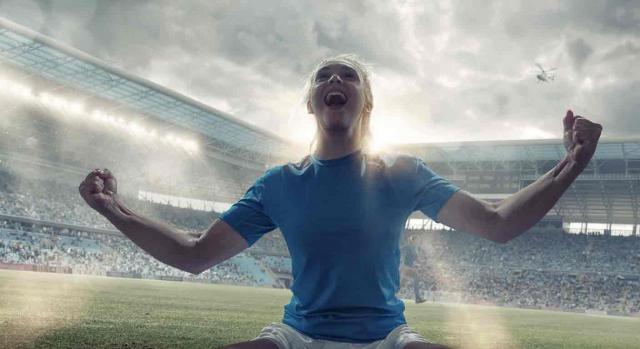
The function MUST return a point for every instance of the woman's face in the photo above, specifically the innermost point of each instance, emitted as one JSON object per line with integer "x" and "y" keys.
{"x": 337, "y": 96}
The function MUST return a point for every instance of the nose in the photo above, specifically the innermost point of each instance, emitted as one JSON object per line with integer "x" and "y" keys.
{"x": 335, "y": 78}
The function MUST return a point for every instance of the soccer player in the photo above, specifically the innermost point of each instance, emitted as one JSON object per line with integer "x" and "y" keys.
{"x": 342, "y": 210}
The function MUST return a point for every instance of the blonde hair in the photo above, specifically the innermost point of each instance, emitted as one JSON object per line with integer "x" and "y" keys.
{"x": 364, "y": 70}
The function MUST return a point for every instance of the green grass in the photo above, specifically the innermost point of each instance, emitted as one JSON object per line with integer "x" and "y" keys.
{"x": 40, "y": 310}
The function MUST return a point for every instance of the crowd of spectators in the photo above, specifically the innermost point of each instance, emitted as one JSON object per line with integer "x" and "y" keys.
{"x": 97, "y": 254}
{"x": 540, "y": 269}
{"x": 547, "y": 249}
{"x": 66, "y": 208}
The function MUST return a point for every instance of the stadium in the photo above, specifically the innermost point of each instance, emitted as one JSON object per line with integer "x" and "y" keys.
{"x": 70, "y": 279}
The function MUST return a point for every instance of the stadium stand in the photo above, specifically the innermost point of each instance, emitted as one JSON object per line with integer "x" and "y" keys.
{"x": 102, "y": 254}
{"x": 65, "y": 232}
{"x": 548, "y": 269}
{"x": 544, "y": 268}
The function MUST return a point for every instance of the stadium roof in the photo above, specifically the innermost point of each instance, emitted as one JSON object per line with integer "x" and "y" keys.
{"x": 517, "y": 150}
{"x": 42, "y": 56}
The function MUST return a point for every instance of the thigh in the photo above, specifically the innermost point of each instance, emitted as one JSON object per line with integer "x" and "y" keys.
{"x": 254, "y": 344}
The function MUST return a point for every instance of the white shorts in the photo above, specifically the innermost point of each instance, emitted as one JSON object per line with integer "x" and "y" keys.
{"x": 287, "y": 337}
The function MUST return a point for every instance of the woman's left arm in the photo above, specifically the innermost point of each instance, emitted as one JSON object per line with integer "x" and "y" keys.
{"x": 517, "y": 213}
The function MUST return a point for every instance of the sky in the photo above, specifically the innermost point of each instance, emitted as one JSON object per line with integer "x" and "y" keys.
{"x": 442, "y": 70}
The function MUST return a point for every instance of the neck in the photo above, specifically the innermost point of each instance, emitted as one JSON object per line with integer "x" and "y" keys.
{"x": 333, "y": 145}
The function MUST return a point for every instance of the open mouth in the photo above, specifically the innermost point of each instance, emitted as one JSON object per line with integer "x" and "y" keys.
{"x": 335, "y": 99}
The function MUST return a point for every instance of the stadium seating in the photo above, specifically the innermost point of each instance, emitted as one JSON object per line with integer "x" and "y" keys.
{"x": 544, "y": 268}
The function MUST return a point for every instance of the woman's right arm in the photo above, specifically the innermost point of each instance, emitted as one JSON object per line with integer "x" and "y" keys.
{"x": 193, "y": 254}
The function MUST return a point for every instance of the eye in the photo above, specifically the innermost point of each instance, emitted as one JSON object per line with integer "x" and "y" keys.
{"x": 322, "y": 76}
{"x": 351, "y": 76}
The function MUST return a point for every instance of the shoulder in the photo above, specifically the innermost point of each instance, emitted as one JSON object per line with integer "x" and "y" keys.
{"x": 270, "y": 176}
{"x": 267, "y": 184}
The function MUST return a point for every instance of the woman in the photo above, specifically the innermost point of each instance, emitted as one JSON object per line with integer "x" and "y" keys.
{"x": 342, "y": 211}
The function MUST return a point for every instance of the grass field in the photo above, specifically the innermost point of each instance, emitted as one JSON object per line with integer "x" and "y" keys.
{"x": 43, "y": 310}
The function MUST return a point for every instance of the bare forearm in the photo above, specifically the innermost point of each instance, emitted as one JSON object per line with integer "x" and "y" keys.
{"x": 522, "y": 210}
{"x": 160, "y": 240}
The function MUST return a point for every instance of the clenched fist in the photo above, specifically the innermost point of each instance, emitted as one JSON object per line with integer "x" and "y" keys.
{"x": 99, "y": 190}
{"x": 580, "y": 137}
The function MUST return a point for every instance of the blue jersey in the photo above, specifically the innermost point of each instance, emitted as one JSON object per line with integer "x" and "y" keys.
{"x": 342, "y": 220}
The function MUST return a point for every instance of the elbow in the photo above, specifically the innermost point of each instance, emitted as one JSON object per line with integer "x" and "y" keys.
{"x": 501, "y": 238}
{"x": 195, "y": 260}
{"x": 189, "y": 264}
{"x": 194, "y": 267}
{"x": 496, "y": 235}
{"x": 505, "y": 234}
{"x": 194, "y": 270}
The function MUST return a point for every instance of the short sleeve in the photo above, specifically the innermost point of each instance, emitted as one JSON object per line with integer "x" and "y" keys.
{"x": 248, "y": 216}
{"x": 432, "y": 191}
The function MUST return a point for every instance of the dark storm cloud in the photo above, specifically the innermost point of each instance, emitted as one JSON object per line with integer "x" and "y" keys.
{"x": 454, "y": 69}
{"x": 579, "y": 51}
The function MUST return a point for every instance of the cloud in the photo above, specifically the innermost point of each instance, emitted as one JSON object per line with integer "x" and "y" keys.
{"x": 618, "y": 103}
{"x": 623, "y": 50}
{"x": 445, "y": 70}
{"x": 579, "y": 51}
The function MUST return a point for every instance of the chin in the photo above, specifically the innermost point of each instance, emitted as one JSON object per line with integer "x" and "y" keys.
{"x": 332, "y": 123}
